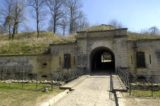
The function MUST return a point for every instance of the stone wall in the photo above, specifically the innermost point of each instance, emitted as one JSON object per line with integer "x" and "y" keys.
{"x": 12, "y": 66}
{"x": 114, "y": 40}
{"x": 58, "y": 51}
{"x": 41, "y": 65}
{"x": 151, "y": 49}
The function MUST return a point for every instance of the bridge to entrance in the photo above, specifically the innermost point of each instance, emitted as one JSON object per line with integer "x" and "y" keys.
{"x": 92, "y": 90}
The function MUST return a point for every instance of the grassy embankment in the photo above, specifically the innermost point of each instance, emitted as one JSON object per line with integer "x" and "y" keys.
{"x": 14, "y": 95}
{"x": 145, "y": 89}
{"x": 28, "y": 43}
{"x": 145, "y": 93}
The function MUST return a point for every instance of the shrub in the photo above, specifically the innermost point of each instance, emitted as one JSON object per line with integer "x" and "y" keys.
{"x": 66, "y": 75}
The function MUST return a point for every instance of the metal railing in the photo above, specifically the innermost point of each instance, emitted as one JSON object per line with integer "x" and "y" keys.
{"x": 141, "y": 83}
{"x": 125, "y": 76}
{"x": 112, "y": 92}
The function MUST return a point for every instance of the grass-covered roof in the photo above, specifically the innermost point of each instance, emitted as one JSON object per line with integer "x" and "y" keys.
{"x": 142, "y": 37}
{"x": 28, "y": 43}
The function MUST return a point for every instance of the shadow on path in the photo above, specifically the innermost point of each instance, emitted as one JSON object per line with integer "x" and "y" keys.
{"x": 101, "y": 73}
{"x": 113, "y": 91}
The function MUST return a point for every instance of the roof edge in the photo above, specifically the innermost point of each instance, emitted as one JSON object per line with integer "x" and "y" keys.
{"x": 62, "y": 43}
{"x": 102, "y": 30}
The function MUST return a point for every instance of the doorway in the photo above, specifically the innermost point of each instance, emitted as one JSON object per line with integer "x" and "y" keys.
{"x": 102, "y": 59}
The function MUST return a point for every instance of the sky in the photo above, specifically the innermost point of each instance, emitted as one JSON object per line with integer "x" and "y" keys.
{"x": 136, "y": 15}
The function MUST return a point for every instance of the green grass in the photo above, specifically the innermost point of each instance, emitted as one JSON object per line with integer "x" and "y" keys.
{"x": 21, "y": 86}
{"x": 28, "y": 43}
{"x": 14, "y": 95}
{"x": 145, "y": 93}
{"x": 100, "y": 28}
{"x": 132, "y": 36}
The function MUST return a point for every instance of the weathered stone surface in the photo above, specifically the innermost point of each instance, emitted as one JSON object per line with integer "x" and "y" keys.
{"x": 115, "y": 40}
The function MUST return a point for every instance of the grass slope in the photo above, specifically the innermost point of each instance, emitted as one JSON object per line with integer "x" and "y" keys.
{"x": 28, "y": 43}
{"x": 132, "y": 36}
{"x": 145, "y": 93}
{"x": 15, "y": 95}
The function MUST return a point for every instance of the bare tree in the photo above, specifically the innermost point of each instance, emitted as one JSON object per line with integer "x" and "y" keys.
{"x": 12, "y": 15}
{"x": 153, "y": 30}
{"x": 115, "y": 24}
{"x": 18, "y": 13}
{"x": 6, "y": 16}
{"x": 37, "y": 5}
{"x": 56, "y": 11}
{"x": 63, "y": 25}
{"x": 1, "y": 29}
{"x": 73, "y": 7}
{"x": 82, "y": 22}
{"x": 9, "y": 24}
{"x": 77, "y": 20}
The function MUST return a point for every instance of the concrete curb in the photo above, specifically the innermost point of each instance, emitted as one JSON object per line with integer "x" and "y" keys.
{"x": 68, "y": 87}
{"x": 55, "y": 99}
{"x": 74, "y": 83}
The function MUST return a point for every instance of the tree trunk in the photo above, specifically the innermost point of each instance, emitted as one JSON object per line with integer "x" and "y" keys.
{"x": 54, "y": 24}
{"x": 64, "y": 29}
{"x": 71, "y": 20}
{"x": 37, "y": 16}
{"x": 37, "y": 24}
{"x": 14, "y": 29}
{"x": 9, "y": 31}
{"x": 37, "y": 29}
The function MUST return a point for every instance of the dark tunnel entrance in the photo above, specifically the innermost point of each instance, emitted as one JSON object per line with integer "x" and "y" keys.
{"x": 102, "y": 59}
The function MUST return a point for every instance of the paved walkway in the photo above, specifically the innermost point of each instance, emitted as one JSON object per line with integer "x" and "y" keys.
{"x": 93, "y": 91}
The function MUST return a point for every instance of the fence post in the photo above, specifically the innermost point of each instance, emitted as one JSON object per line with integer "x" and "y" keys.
{"x": 111, "y": 83}
{"x": 111, "y": 86}
{"x": 152, "y": 87}
{"x": 22, "y": 76}
{"x": 130, "y": 87}
{"x": 36, "y": 81}
{"x": 2, "y": 69}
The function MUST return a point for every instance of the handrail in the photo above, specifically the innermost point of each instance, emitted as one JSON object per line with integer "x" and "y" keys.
{"x": 111, "y": 83}
{"x": 113, "y": 91}
{"x": 124, "y": 75}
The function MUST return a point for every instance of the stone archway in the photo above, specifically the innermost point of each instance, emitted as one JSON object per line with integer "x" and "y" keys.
{"x": 102, "y": 59}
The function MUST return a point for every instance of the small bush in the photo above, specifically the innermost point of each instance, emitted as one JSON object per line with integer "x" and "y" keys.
{"x": 66, "y": 75}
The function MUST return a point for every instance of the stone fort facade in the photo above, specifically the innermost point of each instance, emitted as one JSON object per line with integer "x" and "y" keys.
{"x": 96, "y": 51}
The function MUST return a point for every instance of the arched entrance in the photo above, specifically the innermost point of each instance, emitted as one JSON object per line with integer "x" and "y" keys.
{"x": 102, "y": 59}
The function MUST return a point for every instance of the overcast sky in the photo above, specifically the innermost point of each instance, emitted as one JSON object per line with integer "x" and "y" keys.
{"x": 134, "y": 14}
